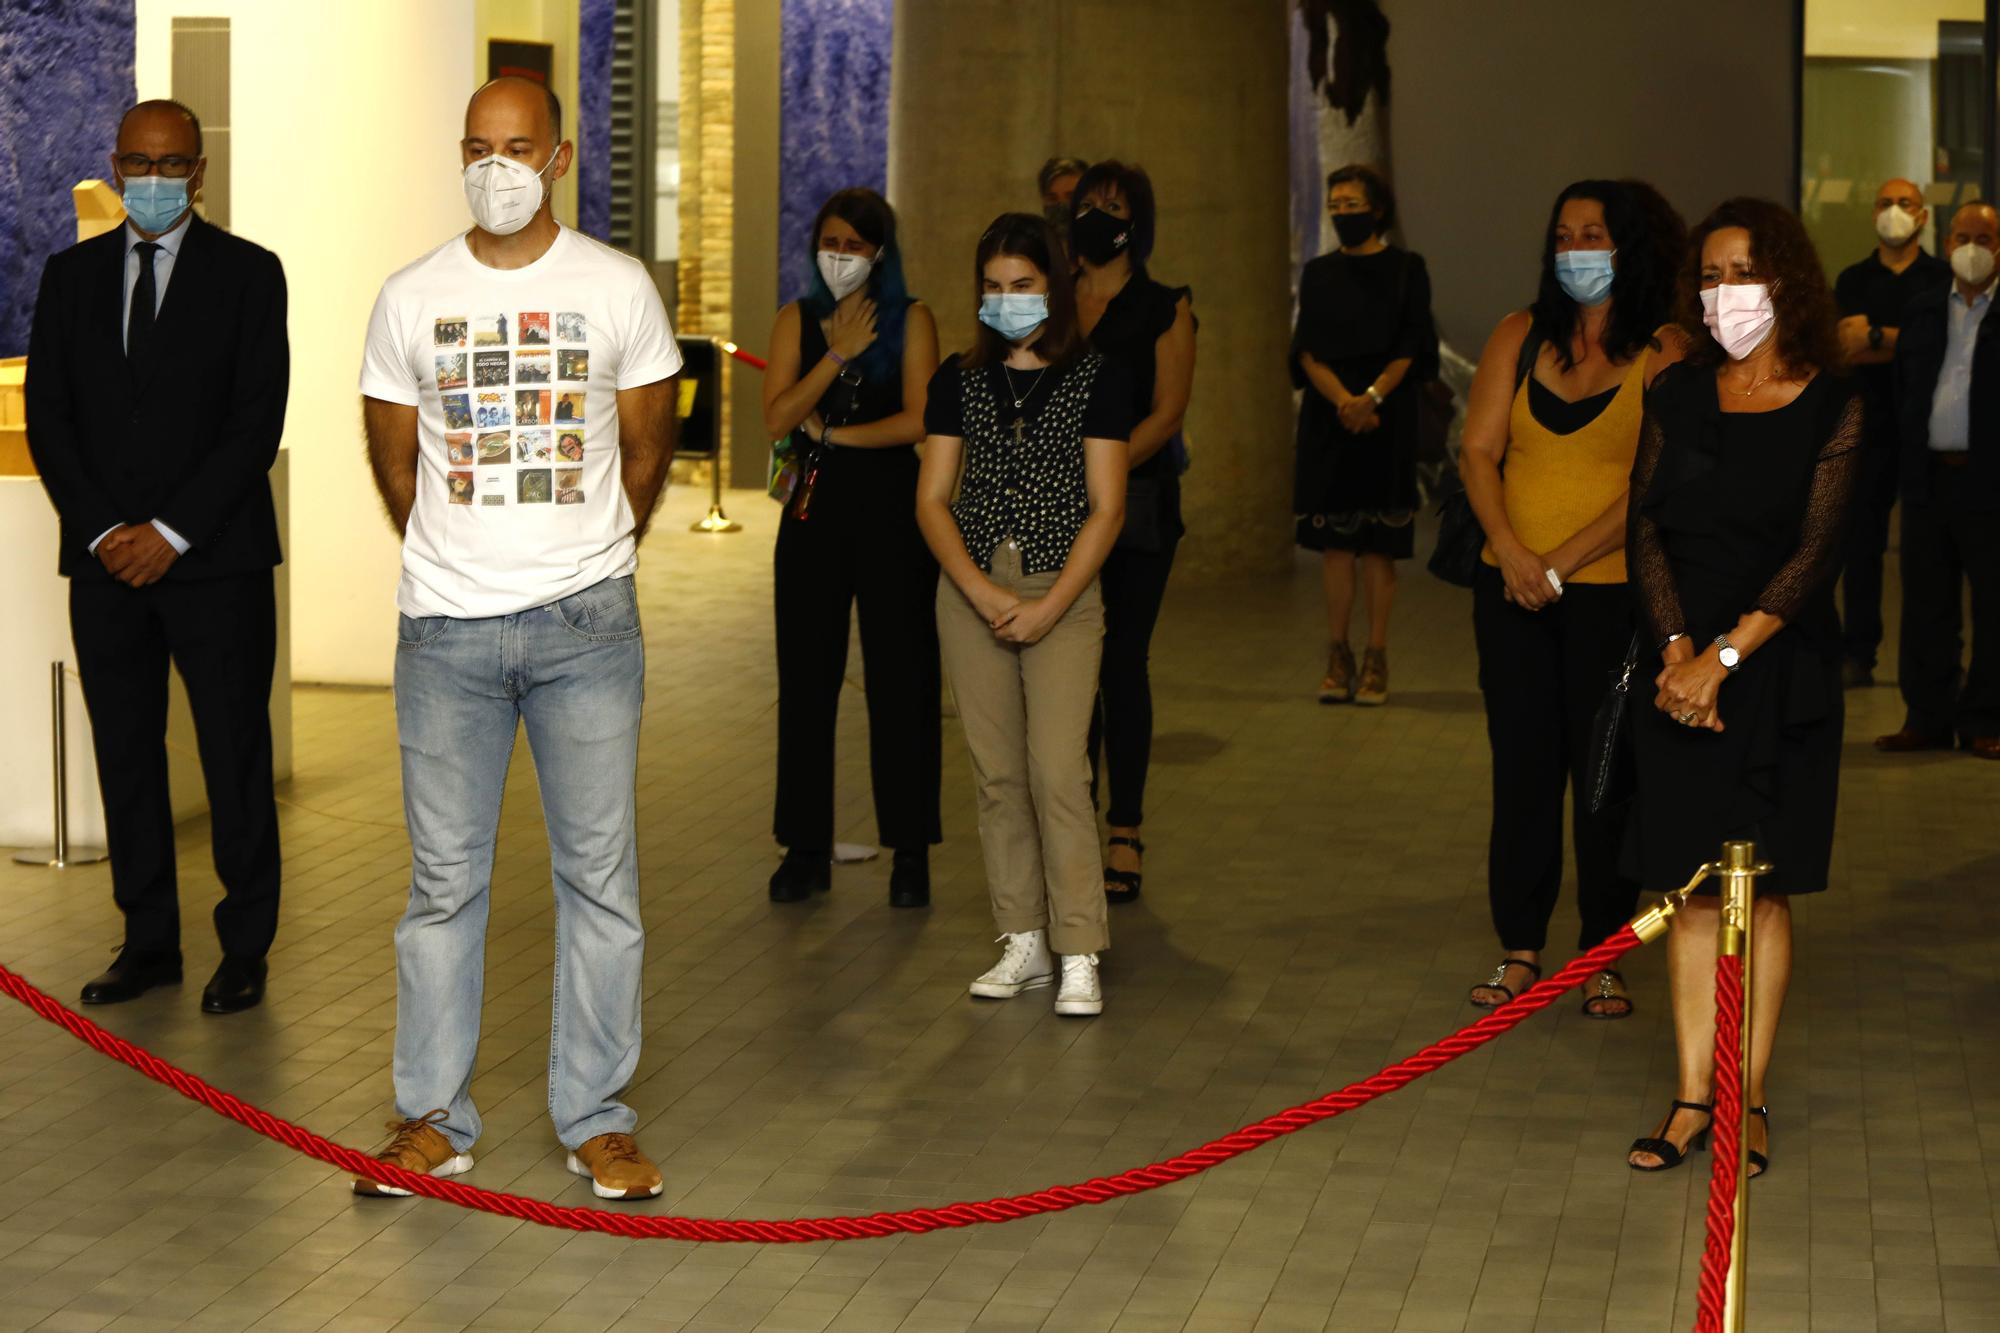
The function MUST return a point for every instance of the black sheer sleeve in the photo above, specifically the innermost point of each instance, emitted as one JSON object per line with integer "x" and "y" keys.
{"x": 1818, "y": 556}
{"x": 1645, "y": 556}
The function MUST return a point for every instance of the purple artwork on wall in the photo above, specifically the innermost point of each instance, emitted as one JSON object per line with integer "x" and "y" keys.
{"x": 65, "y": 75}
{"x": 593, "y": 117}
{"x": 833, "y": 115}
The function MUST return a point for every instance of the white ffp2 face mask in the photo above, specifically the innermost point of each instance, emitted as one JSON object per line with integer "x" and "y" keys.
{"x": 1739, "y": 315}
{"x": 504, "y": 194}
{"x": 844, "y": 273}
{"x": 1972, "y": 263}
{"x": 1895, "y": 224}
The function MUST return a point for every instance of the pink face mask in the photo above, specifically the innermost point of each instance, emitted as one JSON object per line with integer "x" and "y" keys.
{"x": 1739, "y": 315}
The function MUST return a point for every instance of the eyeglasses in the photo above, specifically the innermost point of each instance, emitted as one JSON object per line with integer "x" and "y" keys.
{"x": 138, "y": 164}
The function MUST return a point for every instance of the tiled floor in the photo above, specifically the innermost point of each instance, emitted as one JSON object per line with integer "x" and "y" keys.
{"x": 1314, "y": 907}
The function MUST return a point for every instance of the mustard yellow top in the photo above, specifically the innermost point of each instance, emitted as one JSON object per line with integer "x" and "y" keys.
{"x": 1555, "y": 484}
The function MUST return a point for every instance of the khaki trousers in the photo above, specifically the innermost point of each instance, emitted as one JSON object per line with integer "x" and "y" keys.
{"x": 1026, "y": 713}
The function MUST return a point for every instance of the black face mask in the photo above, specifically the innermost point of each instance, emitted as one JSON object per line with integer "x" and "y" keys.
{"x": 1099, "y": 237}
{"x": 1354, "y": 228}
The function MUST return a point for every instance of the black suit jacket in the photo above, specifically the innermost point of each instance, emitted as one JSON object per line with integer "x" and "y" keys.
{"x": 1920, "y": 349}
{"x": 185, "y": 434}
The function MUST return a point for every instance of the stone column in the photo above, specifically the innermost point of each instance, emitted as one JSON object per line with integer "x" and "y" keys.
{"x": 1192, "y": 90}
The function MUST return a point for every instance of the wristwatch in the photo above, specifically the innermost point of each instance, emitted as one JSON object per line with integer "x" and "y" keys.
{"x": 1874, "y": 337}
{"x": 1372, "y": 393}
{"x": 1727, "y": 655}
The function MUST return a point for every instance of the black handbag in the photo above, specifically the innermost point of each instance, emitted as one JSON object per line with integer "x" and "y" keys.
{"x": 1612, "y": 776}
{"x": 1460, "y": 538}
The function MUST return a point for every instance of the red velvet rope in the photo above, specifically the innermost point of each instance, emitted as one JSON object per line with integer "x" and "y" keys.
{"x": 642, "y": 1226}
{"x": 1726, "y": 1140}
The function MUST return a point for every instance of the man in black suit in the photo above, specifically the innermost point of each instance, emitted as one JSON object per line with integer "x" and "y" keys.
{"x": 157, "y": 374}
{"x": 1948, "y": 390}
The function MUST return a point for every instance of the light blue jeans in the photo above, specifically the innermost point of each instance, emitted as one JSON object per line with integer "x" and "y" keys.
{"x": 574, "y": 673}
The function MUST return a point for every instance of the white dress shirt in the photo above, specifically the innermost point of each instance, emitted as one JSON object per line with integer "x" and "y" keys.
{"x": 1951, "y": 401}
{"x": 163, "y": 270}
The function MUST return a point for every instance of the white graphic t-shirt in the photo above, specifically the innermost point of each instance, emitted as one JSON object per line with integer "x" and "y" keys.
{"x": 515, "y": 376}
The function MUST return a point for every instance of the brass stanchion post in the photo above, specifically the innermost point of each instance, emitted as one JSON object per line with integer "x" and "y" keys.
{"x": 1739, "y": 869}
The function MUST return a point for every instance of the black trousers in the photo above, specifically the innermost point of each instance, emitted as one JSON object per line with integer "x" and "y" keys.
{"x": 1947, "y": 543}
{"x": 1867, "y": 542}
{"x": 1134, "y": 583}
{"x": 221, "y": 634}
{"x": 860, "y": 545}
{"x": 1544, "y": 673}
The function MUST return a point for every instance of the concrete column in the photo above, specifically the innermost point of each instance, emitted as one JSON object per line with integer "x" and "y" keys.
{"x": 1192, "y": 90}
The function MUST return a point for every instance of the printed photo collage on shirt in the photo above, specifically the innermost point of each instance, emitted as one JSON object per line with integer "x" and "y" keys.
{"x": 513, "y": 389}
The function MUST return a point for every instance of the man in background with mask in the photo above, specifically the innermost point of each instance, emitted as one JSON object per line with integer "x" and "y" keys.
{"x": 1872, "y": 295}
{"x": 1948, "y": 393}
{"x": 157, "y": 375}
{"x": 516, "y": 610}
{"x": 1057, "y": 179}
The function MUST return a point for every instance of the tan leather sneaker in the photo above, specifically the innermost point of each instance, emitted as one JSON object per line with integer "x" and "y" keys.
{"x": 416, "y": 1145}
{"x": 616, "y": 1167}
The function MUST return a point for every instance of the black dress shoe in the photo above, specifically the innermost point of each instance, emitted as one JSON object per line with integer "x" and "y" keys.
{"x": 800, "y": 875}
{"x": 237, "y": 985}
{"x": 132, "y": 975}
{"x": 910, "y": 879}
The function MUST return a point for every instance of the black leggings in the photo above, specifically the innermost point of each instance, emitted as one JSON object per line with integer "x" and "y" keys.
{"x": 1134, "y": 584}
{"x": 1544, "y": 673}
{"x": 860, "y": 545}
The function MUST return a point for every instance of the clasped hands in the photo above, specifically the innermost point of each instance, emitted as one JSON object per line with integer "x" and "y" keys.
{"x": 136, "y": 554}
{"x": 1688, "y": 686}
{"x": 1015, "y": 619}
{"x": 1359, "y": 414}
{"x": 1524, "y": 575}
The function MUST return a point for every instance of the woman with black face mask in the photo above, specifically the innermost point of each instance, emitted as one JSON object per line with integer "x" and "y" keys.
{"x": 1364, "y": 342}
{"x": 1147, "y": 330}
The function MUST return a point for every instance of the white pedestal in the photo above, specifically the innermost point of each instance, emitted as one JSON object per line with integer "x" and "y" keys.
{"x": 36, "y": 602}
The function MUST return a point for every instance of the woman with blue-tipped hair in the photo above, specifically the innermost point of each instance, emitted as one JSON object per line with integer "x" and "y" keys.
{"x": 849, "y": 365}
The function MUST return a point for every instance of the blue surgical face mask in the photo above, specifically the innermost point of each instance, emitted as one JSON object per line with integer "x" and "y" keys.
{"x": 1014, "y": 315}
{"x": 1585, "y": 274}
{"x": 154, "y": 202}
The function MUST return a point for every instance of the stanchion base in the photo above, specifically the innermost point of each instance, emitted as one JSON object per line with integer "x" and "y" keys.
{"x": 717, "y": 521}
{"x": 46, "y": 856}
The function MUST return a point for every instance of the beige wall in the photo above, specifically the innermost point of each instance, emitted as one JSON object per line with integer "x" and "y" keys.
{"x": 552, "y": 21}
{"x": 1192, "y": 90}
{"x": 1497, "y": 106}
{"x": 299, "y": 75}
{"x": 754, "y": 231}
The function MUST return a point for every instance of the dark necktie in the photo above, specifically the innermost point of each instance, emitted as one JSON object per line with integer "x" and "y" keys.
{"x": 145, "y": 296}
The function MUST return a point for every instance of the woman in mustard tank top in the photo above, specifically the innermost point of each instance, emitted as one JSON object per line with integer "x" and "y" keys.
{"x": 1552, "y": 425}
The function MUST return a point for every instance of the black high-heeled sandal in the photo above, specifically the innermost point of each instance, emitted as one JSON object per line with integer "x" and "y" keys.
{"x": 1608, "y": 1002}
{"x": 1663, "y": 1147}
{"x": 1760, "y": 1160}
{"x": 1122, "y": 886}
{"x": 1498, "y": 981}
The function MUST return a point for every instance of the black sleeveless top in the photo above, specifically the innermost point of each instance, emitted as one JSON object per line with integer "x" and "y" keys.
{"x": 1127, "y": 335}
{"x": 856, "y": 396}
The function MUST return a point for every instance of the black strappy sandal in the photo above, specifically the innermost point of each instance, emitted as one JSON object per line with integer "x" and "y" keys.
{"x": 1498, "y": 981}
{"x": 1607, "y": 997}
{"x": 1757, "y": 1159}
{"x": 1663, "y": 1147}
{"x": 1122, "y": 886}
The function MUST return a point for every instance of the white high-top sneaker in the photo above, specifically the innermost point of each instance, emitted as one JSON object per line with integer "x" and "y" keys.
{"x": 1080, "y": 993}
{"x": 1024, "y": 964}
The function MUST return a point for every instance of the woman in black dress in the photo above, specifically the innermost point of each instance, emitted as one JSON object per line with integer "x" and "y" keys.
{"x": 1146, "y": 329}
{"x": 849, "y": 364}
{"x": 1364, "y": 341}
{"x": 1745, "y": 470}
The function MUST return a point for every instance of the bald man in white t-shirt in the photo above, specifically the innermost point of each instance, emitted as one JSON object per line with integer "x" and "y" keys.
{"x": 517, "y": 606}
